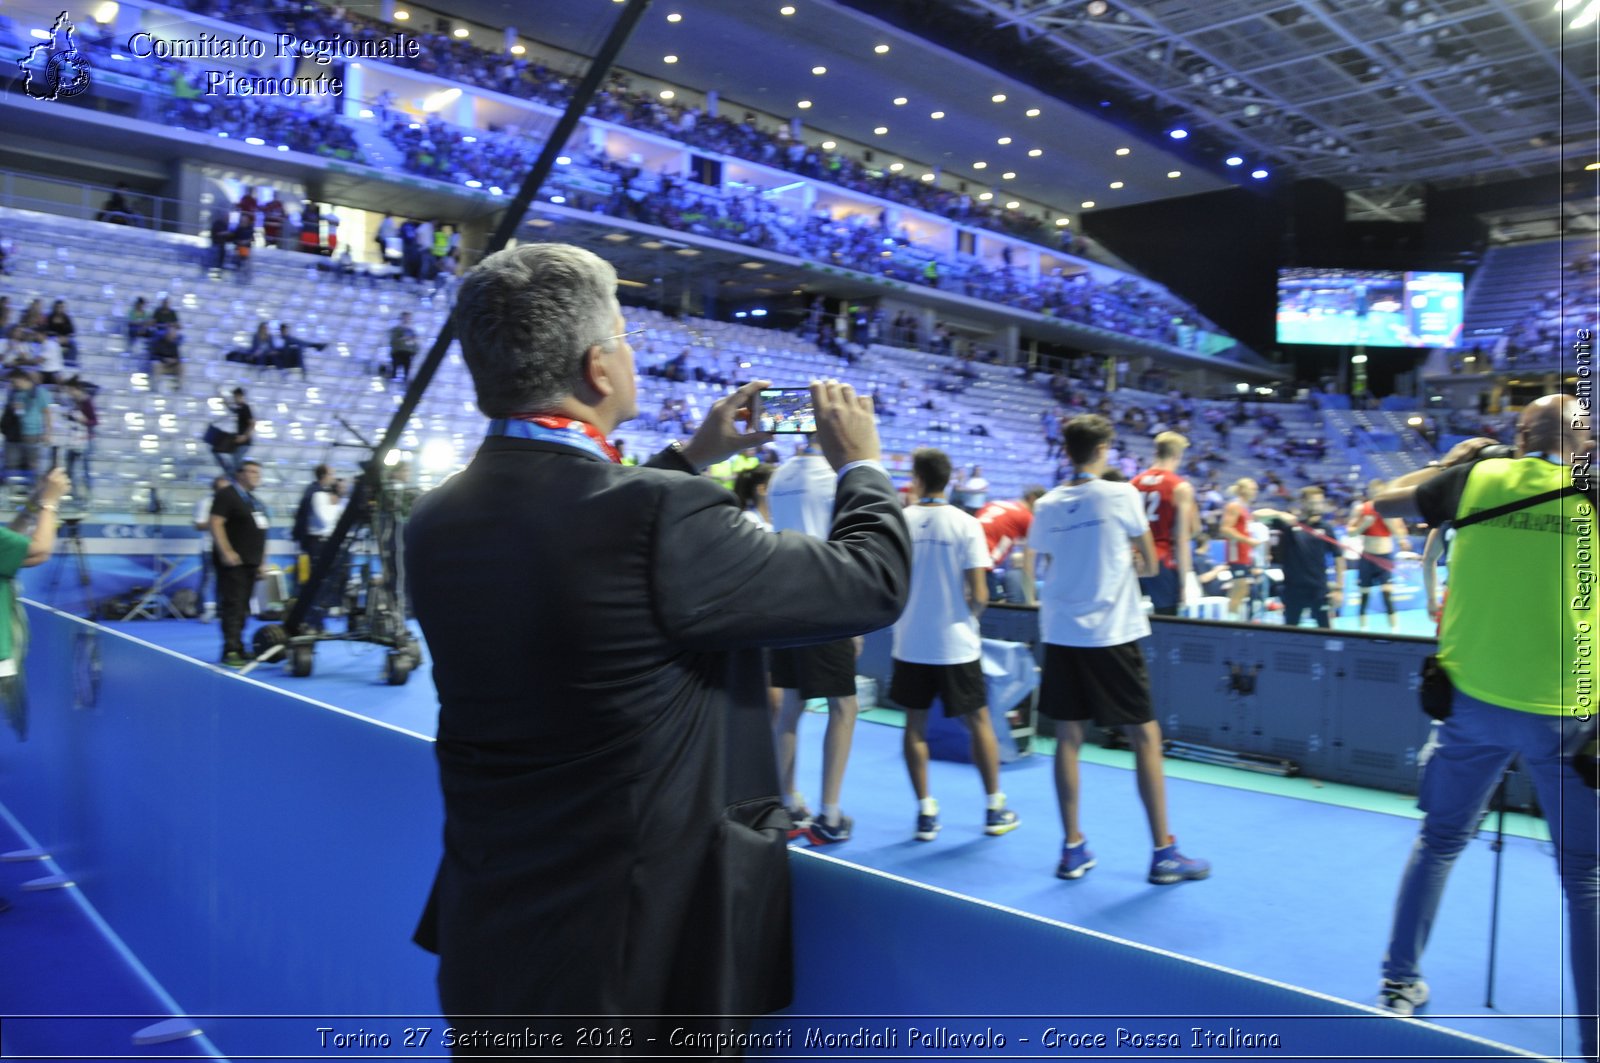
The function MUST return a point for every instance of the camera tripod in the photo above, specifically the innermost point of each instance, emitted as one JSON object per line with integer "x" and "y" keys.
{"x": 154, "y": 604}
{"x": 72, "y": 545}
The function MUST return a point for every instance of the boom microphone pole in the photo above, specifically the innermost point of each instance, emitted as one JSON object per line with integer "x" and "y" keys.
{"x": 366, "y": 486}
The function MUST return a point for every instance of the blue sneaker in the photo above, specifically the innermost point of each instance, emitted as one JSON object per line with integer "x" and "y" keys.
{"x": 1001, "y": 821}
{"x": 1076, "y": 860}
{"x": 801, "y": 820}
{"x": 1169, "y": 866}
{"x": 820, "y": 833}
{"x": 927, "y": 827}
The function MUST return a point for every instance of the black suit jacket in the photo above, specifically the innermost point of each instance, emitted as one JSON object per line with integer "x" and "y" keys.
{"x": 614, "y": 843}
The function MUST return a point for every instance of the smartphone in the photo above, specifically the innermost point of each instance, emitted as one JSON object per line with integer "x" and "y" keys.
{"x": 786, "y": 411}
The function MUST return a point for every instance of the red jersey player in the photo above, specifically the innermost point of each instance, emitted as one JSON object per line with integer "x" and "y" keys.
{"x": 1170, "y": 507}
{"x": 1005, "y": 529}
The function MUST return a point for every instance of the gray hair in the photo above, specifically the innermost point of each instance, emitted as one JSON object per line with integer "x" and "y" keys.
{"x": 526, "y": 317}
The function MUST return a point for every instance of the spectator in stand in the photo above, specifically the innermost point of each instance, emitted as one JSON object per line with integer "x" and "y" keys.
{"x": 310, "y": 228}
{"x": 272, "y": 218}
{"x": 221, "y": 237}
{"x": 260, "y": 352}
{"x": 139, "y": 323}
{"x": 388, "y": 233}
{"x": 164, "y": 313}
{"x": 166, "y": 356}
{"x": 403, "y": 344}
{"x": 331, "y": 220}
{"x": 78, "y": 422}
{"x": 59, "y": 327}
{"x": 936, "y": 650}
{"x": 289, "y": 349}
{"x": 28, "y": 406}
{"x": 116, "y": 209}
{"x": 230, "y": 447}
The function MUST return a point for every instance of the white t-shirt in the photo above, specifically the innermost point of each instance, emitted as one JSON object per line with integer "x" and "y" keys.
{"x": 202, "y": 515}
{"x": 1090, "y": 595}
{"x": 937, "y": 626}
{"x": 800, "y": 495}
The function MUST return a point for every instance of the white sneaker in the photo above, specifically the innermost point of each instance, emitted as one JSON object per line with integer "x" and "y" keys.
{"x": 1402, "y": 998}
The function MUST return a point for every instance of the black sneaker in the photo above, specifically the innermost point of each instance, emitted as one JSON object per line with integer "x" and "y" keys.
{"x": 820, "y": 833}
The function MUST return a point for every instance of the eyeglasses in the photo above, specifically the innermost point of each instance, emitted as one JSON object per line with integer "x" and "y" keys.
{"x": 625, "y": 335}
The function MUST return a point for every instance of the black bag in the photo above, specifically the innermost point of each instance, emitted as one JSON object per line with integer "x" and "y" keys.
{"x": 10, "y": 425}
{"x": 218, "y": 440}
{"x": 1437, "y": 693}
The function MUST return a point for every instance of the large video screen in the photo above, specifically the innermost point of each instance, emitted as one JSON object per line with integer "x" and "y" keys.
{"x": 1369, "y": 308}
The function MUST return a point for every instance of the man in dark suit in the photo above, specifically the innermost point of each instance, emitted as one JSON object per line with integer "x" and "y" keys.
{"x": 614, "y": 840}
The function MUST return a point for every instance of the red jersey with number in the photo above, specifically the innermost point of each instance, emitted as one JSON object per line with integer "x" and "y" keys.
{"x": 1157, "y": 487}
{"x": 1005, "y": 527}
{"x": 1376, "y": 527}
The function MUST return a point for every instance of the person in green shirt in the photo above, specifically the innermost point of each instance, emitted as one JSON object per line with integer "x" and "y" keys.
{"x": 29, "y": 541}
{"x": 1516, "y": 640}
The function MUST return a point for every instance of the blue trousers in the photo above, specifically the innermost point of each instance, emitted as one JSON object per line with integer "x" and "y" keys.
{"x": 1474, "y": 747}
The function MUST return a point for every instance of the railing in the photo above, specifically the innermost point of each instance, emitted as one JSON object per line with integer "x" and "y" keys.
{"x": 88, "y": 201}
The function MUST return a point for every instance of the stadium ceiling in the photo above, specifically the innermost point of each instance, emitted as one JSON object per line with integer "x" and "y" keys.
{"x": 1368, "y": 94}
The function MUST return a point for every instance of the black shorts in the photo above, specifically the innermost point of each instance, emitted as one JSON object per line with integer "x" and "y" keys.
{"x": 824, "y": 671}
{"x": 1369, "y": 573}
{"x": 959, "y": 687}
{"x": 1107, "y": 684}
{"x": 1162, "y": 587}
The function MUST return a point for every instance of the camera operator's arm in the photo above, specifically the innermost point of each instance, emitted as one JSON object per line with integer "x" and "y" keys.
{"x": 1400, "y": 500}
{"x": 977, "y": 590}
{"x": 1144, "y": 556}
{"x": 42, "y": 512}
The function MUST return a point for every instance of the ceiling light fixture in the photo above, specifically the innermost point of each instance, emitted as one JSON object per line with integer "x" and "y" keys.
{"x": 462, "y": 33}
{"x": 1116, "y": 184}
{"x": 1013, "y": 205}
{"x": 819, "y": 70}
{"x": 669, "y": 59}
{"x": 828, "y": 145}
{"x": 1259, "y": 175}
{"x": 1087, "y": 204}
{"x": 674, "y": 17}
{"x": 804, "y": 105}
{"x": 1063, "y": 222}
{"x": 881, "y": 130}
{"x": 667, "y": 94}
{"x": 928, "y": 176}
{"x": 1034, "y": 153}
{"x": 401, "y": 16}
{"x": 998, "y": 97}
{"x": 1178, "y": 134}
{"x": 986, "y": 196}
{"x": 882, "y": 49}
{"x": 1123, "y": 151}
{"x": 896, "y": 167}
{"x": 1003, "y": 141}
{"x": 936, "y": 115}
{"x": 900, "y": 101}
{"x": 518, "y": 49}
{"x": 1174, "y": 173}
{"x": 980, "y": 166}
{"x": 1032, "y": 112}
{"x": 785, "y": 10}
{"x": 1234, "y": 160}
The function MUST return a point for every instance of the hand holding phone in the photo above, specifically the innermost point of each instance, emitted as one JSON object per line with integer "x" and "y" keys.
{"x": 788, "y": 411}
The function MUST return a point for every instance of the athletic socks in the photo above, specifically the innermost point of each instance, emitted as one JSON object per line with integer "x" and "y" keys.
{"x": 928, "y": 806}
{"x": 997, "y": 801}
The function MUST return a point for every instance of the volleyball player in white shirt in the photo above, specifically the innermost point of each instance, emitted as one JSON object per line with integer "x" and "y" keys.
{"x": 937, "y": 649}
{"x": 1090, "y": 619}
